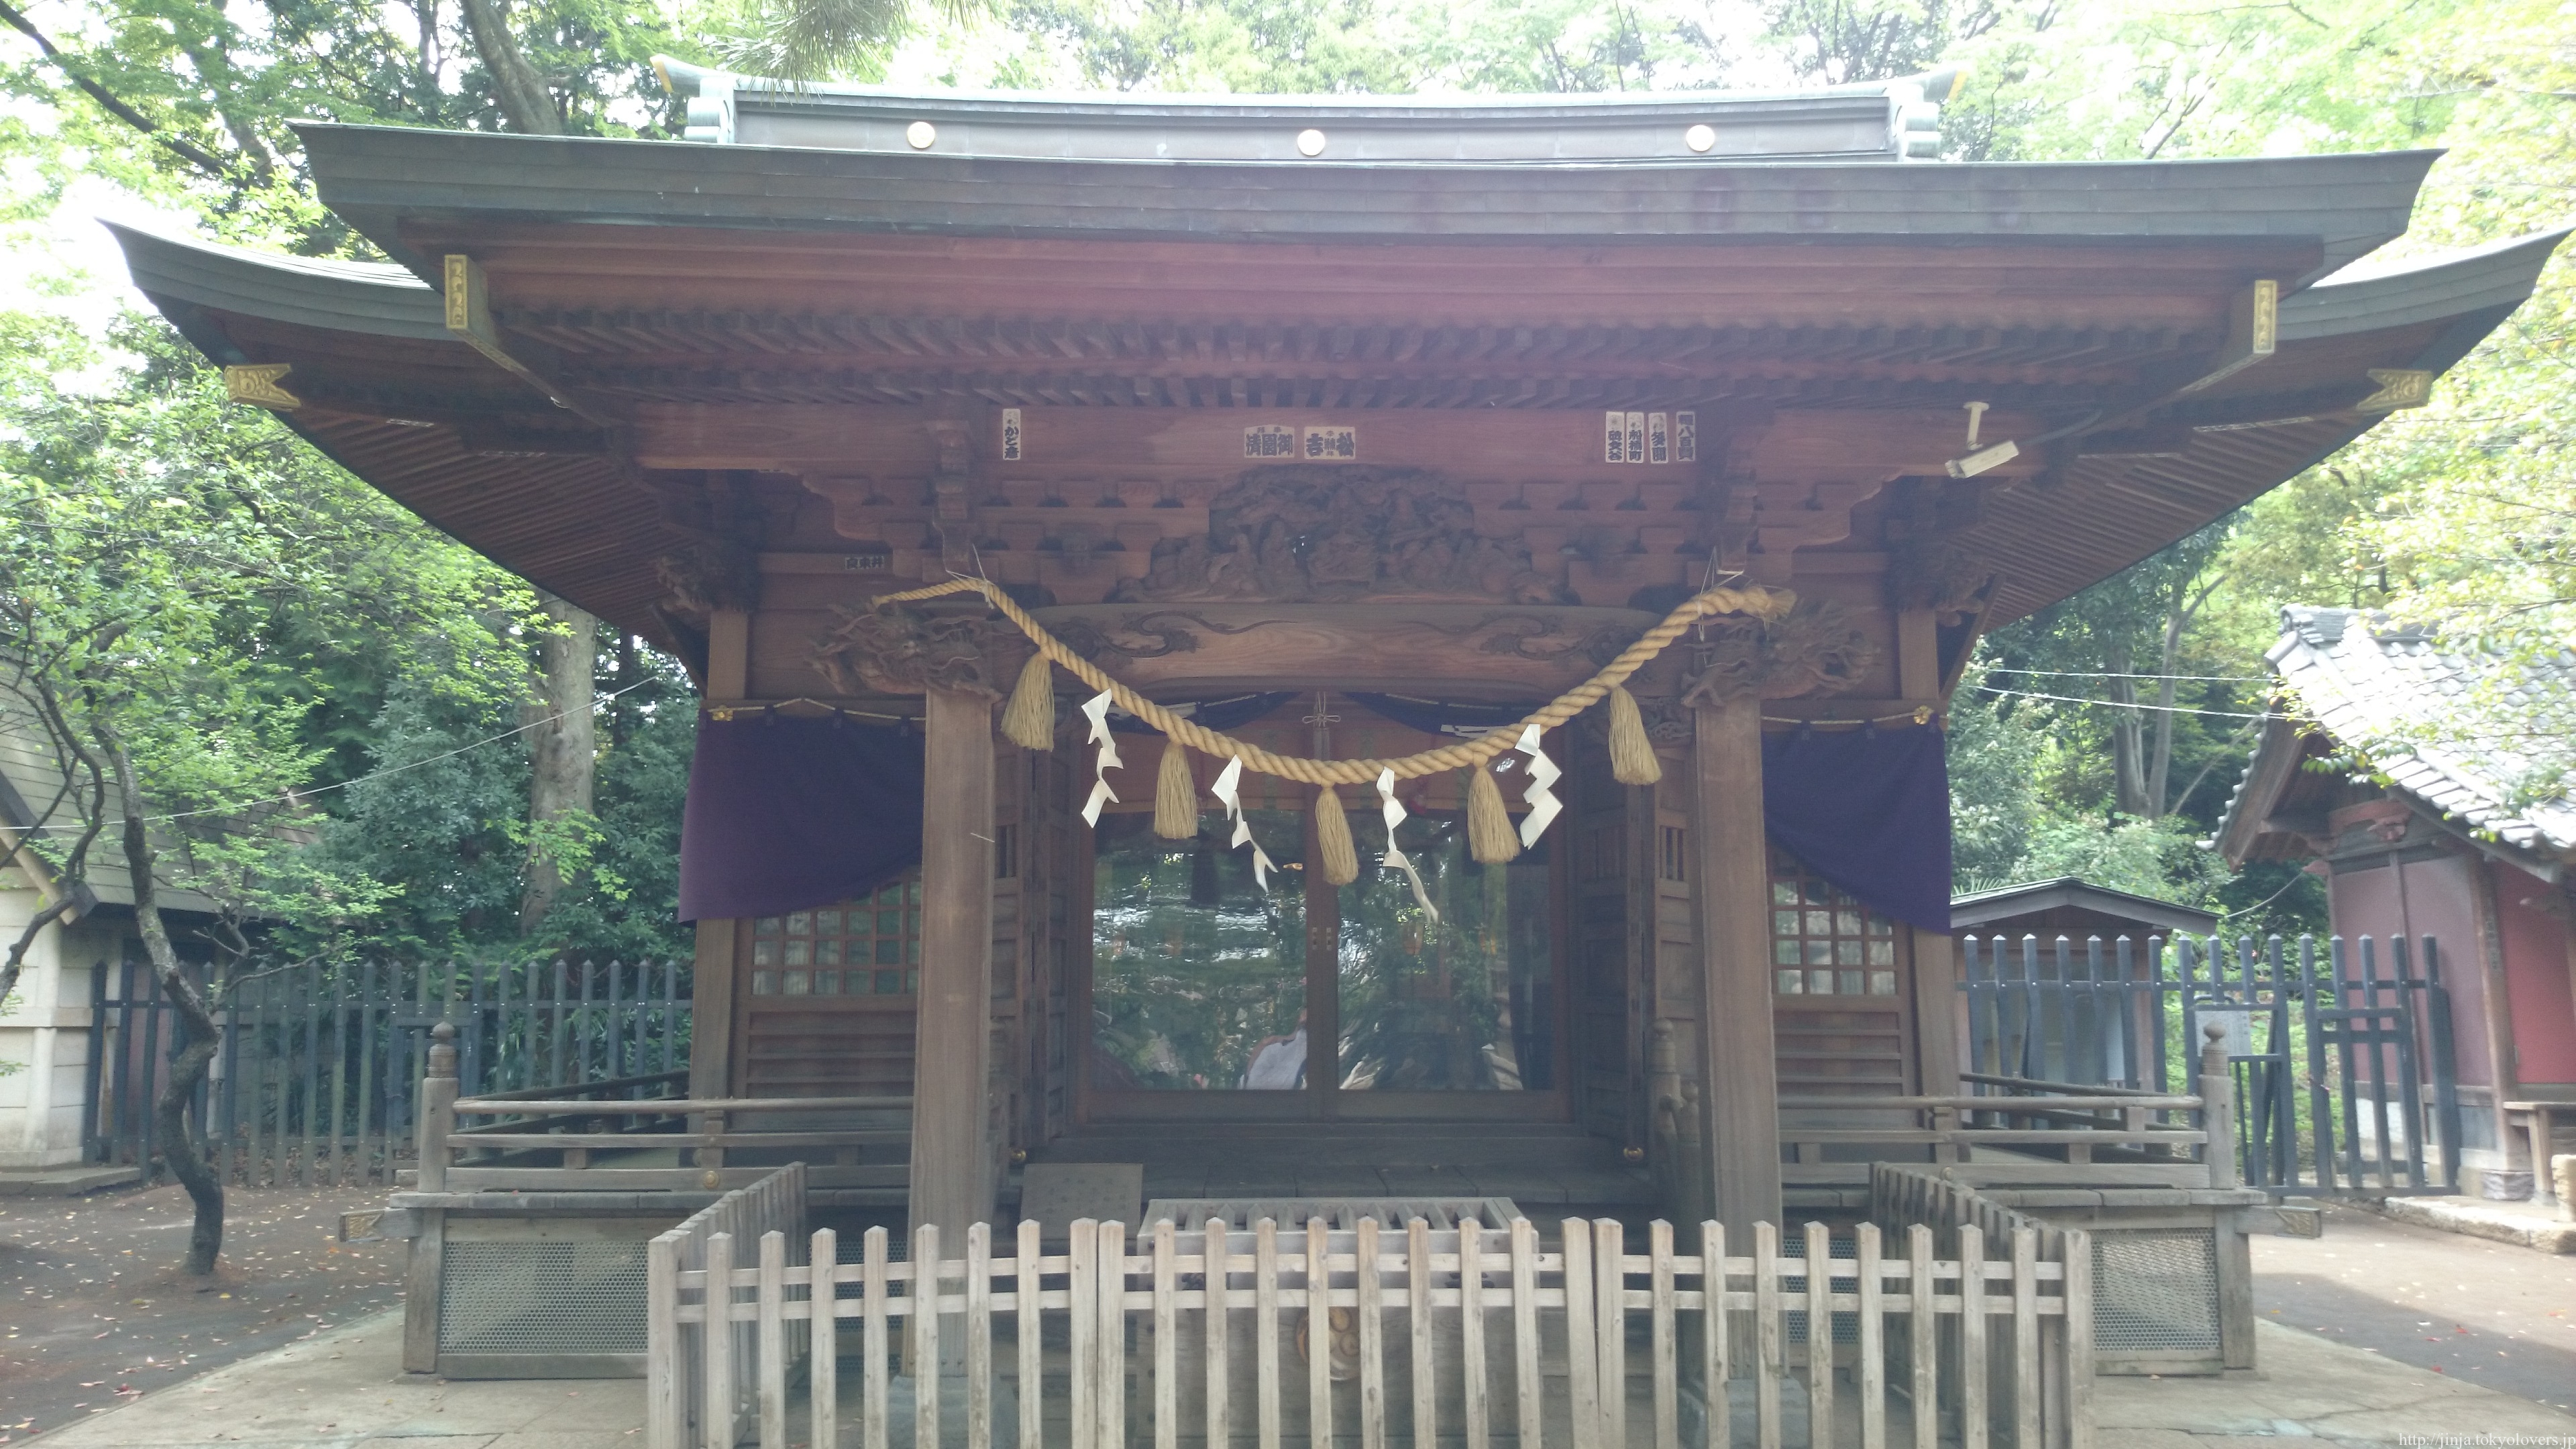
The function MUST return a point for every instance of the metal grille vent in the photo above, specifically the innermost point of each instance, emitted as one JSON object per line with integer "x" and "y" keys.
{"x": 2155, "y": 1291}
{"x": 1846, "y": 1325}
{"x": 542, "y": 1298}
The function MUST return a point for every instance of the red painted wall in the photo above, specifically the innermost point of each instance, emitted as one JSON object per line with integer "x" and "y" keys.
{"x": 2536, "y": 979}
{"x": 2437, "y": 903}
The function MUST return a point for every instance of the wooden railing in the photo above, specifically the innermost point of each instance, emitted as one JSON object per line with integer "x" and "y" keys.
{"x": 1985, "y": 1392}
{"x": 714, "y": 1403}
{"x": 1519, "y": 1344}
{"x": 577, "y": 1138}
{"x": 2057, "y": 1130}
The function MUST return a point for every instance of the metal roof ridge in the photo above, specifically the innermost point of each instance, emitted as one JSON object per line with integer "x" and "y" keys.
{"x": 1932, "y": 85}
{"x": 2249, "y": 165}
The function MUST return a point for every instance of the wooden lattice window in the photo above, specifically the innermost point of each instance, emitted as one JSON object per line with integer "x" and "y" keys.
{"x": 865, "y": 947}
{"x": 1824, "y": 942}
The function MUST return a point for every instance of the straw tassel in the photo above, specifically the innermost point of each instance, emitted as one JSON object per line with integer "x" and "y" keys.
{"x": 1029, "y": 719}
{"x": 1490, "y": 837}
{"x": 1632, "y": 755}
{"x": 1176, "y": 795}
{"x": 1341, "y": 859}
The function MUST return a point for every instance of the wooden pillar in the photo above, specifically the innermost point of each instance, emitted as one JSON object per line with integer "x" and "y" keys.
{"x": 711, "y": 1010}
{"x": 729, "y": 655}
{"x": 1938, "y": 1018}
{"x": 952, "y": 1175}
{"x": 2497, "y": 1022}
{"x": 1732, "y": 885}
{"x": 1937, "y": 1022}
{"x": 712, "y": 965}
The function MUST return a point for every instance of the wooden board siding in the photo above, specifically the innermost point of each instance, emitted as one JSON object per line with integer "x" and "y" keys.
{"x": 1849, "y": 1026}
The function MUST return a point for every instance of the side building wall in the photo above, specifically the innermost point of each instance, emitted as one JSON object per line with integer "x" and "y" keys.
{"x": 45, "y": 1035}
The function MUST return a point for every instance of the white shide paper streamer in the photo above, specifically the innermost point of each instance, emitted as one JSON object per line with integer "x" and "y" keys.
{"x": 1543, "y": 804}
{"x": 1097, "y": 711}
{"x": 1396, "y": 859}
{"x": 1227, "y": 789}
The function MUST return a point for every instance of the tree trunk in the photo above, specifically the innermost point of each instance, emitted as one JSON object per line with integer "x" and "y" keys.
{"x": 2160, "y": 749}
{"x": 2128, "y": 741}
{"x": 525, "y": 102}
{"x": 193, "y": 1049}
{"x": 563, "y": 749}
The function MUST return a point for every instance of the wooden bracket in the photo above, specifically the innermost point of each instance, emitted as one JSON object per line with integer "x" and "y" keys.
{"x": 256, "y": 385}
{"x": 469, "y": 316}
{"x": 2253, "y": 330}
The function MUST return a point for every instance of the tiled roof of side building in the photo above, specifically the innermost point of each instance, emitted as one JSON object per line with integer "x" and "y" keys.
{"x": 2390, "y": 689}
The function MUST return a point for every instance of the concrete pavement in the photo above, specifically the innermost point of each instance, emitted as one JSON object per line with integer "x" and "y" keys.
{"x": 345, "y": 1390}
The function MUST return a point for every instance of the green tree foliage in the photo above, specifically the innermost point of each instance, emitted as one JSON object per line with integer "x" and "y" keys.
{"x": 2457, "y": 514}
{"x": 193, "y": 102}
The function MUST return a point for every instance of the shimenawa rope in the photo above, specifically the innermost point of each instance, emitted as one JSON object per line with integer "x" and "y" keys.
{"x": 1761, "y": 603}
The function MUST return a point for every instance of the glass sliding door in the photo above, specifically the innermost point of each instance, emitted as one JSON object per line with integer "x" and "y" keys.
{"x": 1209, "y": 999}
{"x": 1458, "y": 997}
{"x": 1198, "y": 980}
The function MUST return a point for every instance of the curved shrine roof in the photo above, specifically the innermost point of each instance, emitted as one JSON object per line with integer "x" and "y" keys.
{"x": 649, "y": 284}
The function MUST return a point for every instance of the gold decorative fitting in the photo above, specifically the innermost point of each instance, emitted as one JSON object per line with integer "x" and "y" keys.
{"x": 2399, "y": 387}
{"x": 256, "y": 385}
{"x": 1310, "y": 142}
{"x": 920, "y": 135}
{"x": 1700, "y": 138}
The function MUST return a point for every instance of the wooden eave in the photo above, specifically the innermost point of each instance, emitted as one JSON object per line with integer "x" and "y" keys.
{"x": 2279, "y": 809}
{"x": 390, "y": 395}
{"x": 2093, "y": 514}
{"x": 663, "y": 284}
{"x": 1982, "y": 908}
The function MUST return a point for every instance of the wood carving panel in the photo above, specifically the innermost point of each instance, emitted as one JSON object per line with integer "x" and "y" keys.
{"x": 894, "y": 649}
{"x": 1816, "y": 650}
{"x": 1323, "y": 533}
{"x": 1494, "y": 653}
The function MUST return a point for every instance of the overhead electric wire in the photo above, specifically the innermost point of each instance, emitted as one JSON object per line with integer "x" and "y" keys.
{"x": 2183, "y": 678}
{"x": 2118, "y": 704}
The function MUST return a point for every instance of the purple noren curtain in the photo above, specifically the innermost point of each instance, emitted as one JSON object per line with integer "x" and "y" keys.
{"x": 1869, "y": 810}
{"x": 786, "y": 814}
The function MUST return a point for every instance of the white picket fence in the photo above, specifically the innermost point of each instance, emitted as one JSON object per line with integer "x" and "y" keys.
{"x": 1522, "y": 1346}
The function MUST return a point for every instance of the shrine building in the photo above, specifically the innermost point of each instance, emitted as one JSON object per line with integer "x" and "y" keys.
{"x": 1332, "y": 430}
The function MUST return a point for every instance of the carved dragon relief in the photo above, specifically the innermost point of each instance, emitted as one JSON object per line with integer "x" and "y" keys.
{"x": 893, "y": 649}
{"x": 1157, "y": 635}
{"x": 1309, "y": 533}
{"x": 1814, "y": 651}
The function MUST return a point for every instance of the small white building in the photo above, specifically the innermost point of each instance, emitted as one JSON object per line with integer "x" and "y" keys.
{"x": 47, "y": 1026}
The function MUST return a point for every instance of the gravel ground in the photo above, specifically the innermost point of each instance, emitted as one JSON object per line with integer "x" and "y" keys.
{"x": 94, "y": 1309}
